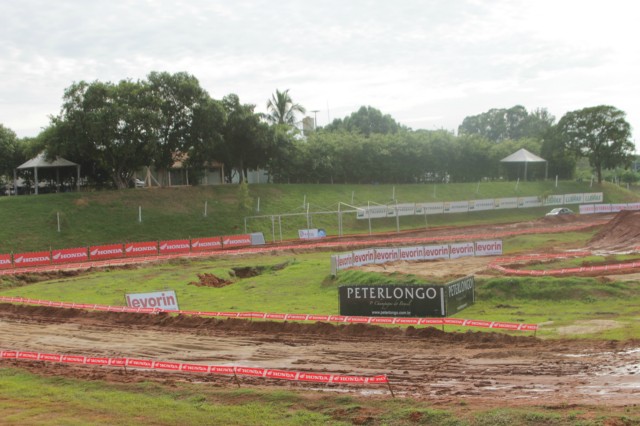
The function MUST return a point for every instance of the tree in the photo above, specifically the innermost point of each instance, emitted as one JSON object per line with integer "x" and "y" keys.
{"x": 601, "y": 133}
{"x": 366, "y": 120}
{"x": 9, "y": 149}
{"x": 282, "y": 110}
{"x": 113, "y": 126}
{"x": 189, "y": 119}
{"x": 247, "y": 141}
{"x": 502, "y": 124}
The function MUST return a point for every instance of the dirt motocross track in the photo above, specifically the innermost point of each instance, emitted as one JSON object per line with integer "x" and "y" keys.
{"x": 489, "y": 368}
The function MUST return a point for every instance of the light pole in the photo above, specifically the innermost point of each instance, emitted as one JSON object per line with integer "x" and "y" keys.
{"x": 315, "y": 118}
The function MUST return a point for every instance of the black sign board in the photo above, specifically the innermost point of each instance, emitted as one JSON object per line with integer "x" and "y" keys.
{"x": 392, "y": 300}
{"x": 389, "y": 300}
{"x": 459, "y": 294}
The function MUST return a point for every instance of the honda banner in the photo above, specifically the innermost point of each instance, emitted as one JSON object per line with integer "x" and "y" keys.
{"x": 243, "y": 240}
{"x": 32, "y": 259}
{"x": 206, "y": 244}
{"x": 149, "y": 248}
{"x": 5, "y": 261}
{"x": 110, "y": 251}
{"x": 71, "y": 255}
{"x": 175, "y": 246}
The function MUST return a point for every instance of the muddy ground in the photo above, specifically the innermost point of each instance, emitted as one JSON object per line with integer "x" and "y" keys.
{"x": 490, "y": 369}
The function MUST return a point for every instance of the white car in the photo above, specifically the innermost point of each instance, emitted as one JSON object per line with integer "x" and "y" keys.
{"x": 559, "y": 211}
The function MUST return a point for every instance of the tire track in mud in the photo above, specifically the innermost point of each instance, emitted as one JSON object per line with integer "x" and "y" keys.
{"x": 424, "y": 363}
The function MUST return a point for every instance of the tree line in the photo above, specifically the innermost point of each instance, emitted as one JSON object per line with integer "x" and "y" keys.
{"x": 114, "y": 130}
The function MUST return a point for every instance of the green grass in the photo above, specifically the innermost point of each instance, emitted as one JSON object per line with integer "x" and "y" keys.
{"x": 582, "y": 262}
{"x": 29, "y": 223}
{"x": 26, "y": 398}
{"x": 305, "y": 286}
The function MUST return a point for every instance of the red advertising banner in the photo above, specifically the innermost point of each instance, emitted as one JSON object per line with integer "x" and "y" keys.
{"x": 32, "y": 259}
{"x": 206, "y": 244}
{"x": 110, "y": 251}
{"x": 5, "y": 261}
{"x": 175, "y": 246}
{"x": 72, "y": 255}
{"x": 149, "y": 248}
{"x": 236, "y": 240}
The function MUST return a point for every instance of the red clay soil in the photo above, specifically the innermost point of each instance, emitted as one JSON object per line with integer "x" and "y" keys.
{"x": 490, "y": 369}
{"x": 210, "y": 280}
{"x": 621, "y": 233}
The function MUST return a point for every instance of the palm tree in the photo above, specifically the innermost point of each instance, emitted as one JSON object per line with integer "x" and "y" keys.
{"x": 282, "y": 110}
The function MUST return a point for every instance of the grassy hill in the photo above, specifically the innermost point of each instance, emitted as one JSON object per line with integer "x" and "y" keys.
{"x": 29, "y": 223}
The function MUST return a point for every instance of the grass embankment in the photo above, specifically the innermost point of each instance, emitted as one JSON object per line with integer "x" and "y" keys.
{"x": 29, "y": 223}
{"x": 29, "y": 399}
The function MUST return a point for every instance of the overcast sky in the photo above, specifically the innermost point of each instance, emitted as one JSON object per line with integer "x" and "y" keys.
{"x": 427, "y": 63}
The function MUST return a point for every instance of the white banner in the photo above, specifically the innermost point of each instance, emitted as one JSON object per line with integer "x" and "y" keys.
{"x": 436, "y": 252}
{"x": 159, "y": 299}
{"x": 456, "y": 206}
{"x": 489, "y": 248}
{"x": 506, "y": 203}
{"x": 615, "y": 208}
{"x": 406, "y": 209}
{"x": 458, "y": 250}
{"x": 364, "y": 257}
{"x": 633, "y": 206}
{"x": 554, "y": 200}
{"x": 386, "y": 255}
{"x": 587, "y": 209}
{"x": 573, "y": 198}
{"x": 432, "y": 208}
{"x": 479, "y": 205}
{"x": 602, "y": 208}
{"x": 412, "y": 253}
{"x": 593, "y": 197}
{"x": 342, "y": 261}
{"x": 526, "y": 202}
{"x": 310, "y": 234}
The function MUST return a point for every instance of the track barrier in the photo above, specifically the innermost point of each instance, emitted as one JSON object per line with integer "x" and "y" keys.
{"x": 497, "y": 265}
{"x": 148, "y": 364}
{"x": 287, "y": 317}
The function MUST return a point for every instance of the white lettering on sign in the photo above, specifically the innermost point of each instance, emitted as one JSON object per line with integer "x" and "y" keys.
{"x": 5, "y": 261}
{"x": 383, "y": 293}
{"x": 77, "y": 255}
{"x": 102, "y": 252}
{"x": 488, "y": 248}
{"x": 162, "y": 300}
{"x": 174, "y": 246}
{"x": 27, "y": 259}
{"x": 461, "y": 250}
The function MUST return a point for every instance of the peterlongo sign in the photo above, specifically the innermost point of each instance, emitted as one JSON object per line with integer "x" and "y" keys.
{"x": 71, "y": 255}
{"x": 407, "y": 300}
{"x": 459, "y": 294}
{"x": 5, "y": 261}
{"x": 206, "y": 244}
{"x": 175, "y": 246}
{"x": 159, "y": 299}
{"x": 110, "y": 251}
{"x": 236, "y": 240}
{"x": 149, "y": 248}
{"x": 391, "y": 300}
{"x": 38, "y": 258}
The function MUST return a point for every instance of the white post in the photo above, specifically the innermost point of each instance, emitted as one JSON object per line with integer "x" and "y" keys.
{"x": 273, "y": 228}
{"x": 393, "y": 194}
{"x": 369, "y": 215}
{"x": 304, "y": 201}
{"x": 352, "y": 194}
{"x": 434, "y": 190}
{"x": 205, "y": 208}
{"x": 58, "y": 215}
{"x": 280, "y": 225}
{"x": 556, "y": 181}
{"x": 140, "y": 214}
{"x": 308, "y": 224}
{"x": 591, "y": 184}
{"x": 397, "y": 218}
{"x": 258, "y": 210}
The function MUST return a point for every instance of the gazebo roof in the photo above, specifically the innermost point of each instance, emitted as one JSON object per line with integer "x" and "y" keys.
{"x": 522, "y": 156}
{"x": 40, "y": 161}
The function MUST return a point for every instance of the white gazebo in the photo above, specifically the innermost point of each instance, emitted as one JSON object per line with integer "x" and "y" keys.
{"x": 41, "y": 162}
{"x": 526, "y": 157}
